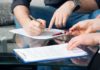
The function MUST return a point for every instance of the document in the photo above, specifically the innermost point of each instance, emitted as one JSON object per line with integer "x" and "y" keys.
{"x": 45, "y": 35}
{"x": 48, "y": 53}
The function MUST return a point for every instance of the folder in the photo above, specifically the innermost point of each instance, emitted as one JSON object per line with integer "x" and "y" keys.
{"x": 45, "y": 53}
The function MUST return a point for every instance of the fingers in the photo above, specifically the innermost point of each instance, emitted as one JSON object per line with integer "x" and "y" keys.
{"x": 42, "y": 23}
{"x": 35, "y": 27}
{"x": 80, "y": 27}
{"x": 59, "y": 19}
{"x": 71, "y": 42}
{"x": 75, "y": 33}
{"x": 32, "y": 31}
{"x": 35, "y": 23}
{"x": 74, "y": 42}
{"x": 51, "y": 22}
{"x": 74, "y": 27}
{"x": 64, "y": 20}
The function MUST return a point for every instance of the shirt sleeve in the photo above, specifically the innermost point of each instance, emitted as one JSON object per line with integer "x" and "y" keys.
{"x": 98, "y": 3}
{"x": 20, "y": 2}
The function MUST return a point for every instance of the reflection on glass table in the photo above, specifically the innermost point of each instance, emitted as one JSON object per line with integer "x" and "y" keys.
{"x": 25, "y": 42}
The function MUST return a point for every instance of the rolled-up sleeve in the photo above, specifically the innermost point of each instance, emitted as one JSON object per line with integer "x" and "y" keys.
{"x": 20, "y": 2}
{"x": 98, "y": 3}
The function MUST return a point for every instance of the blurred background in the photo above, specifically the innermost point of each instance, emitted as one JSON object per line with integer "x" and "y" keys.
{"x": 7, "y": 23}
{"x": 36, "y": 2}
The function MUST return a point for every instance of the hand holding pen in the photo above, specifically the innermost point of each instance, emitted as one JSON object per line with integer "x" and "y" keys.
{"x": 35, "y": 26}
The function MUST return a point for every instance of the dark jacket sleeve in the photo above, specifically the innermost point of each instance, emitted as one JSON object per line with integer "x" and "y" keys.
{"x": 20, "y": 2}
{"x": 98, "y": 3}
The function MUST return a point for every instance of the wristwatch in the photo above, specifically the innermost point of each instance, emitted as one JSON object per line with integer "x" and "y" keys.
{"x": 77, "y": 4}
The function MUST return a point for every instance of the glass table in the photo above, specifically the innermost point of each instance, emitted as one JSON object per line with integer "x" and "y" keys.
{"x": 25, "y": 42}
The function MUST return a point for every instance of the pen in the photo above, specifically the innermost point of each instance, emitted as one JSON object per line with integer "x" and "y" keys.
{"x": 32, "y": 18}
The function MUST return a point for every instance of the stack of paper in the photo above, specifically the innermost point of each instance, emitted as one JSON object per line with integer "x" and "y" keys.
{"x": 48, "y": 53}
{"x": 45, "y": 35}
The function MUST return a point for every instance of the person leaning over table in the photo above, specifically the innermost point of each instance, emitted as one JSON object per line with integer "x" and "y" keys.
{"x": 85, "y": 32}
{"x": 63, "y": 11}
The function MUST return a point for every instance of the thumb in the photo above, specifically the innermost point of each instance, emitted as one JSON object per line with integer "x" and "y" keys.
{"x": 74, "y": 27}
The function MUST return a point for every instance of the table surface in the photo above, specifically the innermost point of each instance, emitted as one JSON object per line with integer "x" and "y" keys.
{"x": 22, "y": 42}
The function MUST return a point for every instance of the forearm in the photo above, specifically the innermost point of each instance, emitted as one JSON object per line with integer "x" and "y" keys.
{"x": 88, "y": 5}
{"x": 70, "y": 5}
{"x": 22, "y": 14}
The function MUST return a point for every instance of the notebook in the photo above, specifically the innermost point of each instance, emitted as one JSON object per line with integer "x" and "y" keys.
{"x": 45, "y": 35}
{"x": 47, "y": 53}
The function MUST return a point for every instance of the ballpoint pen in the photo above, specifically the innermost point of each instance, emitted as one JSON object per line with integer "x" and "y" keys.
{"x": 32, "y": 18}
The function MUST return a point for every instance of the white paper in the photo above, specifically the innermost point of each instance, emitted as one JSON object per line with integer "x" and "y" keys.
{"x": 48, "y": 53}
{"x": 44, "y": 35}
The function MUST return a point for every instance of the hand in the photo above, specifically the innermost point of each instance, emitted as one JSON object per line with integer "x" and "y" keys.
{"x": 85, "y": 39}
{"x": 61, "y": 14}
{"x": 34, "y": 28}
{"x": 86, "y": 26}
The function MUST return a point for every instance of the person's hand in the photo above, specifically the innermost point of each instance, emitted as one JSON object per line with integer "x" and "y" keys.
{"x": 86, "y": 26}
{"x": 61, "y": 14}
{"x": 34, "y": 28}
{"x": 85, "y": 39}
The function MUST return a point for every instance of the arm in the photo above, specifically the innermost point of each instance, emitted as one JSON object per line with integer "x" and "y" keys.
{"x": 91, "y": 39}
{"x": 21, "y": 11}
{"x": 63, "y": 12}
{"x": 22, "y": 14}
{"x": 61, "y": 15}
{"x": 88, "y": 5}
{"x": 85, "y": 26}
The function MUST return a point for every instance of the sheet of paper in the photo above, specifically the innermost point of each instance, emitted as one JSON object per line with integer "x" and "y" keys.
{"x": 48, "y": 53}
{"x": 44, "y": 35}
